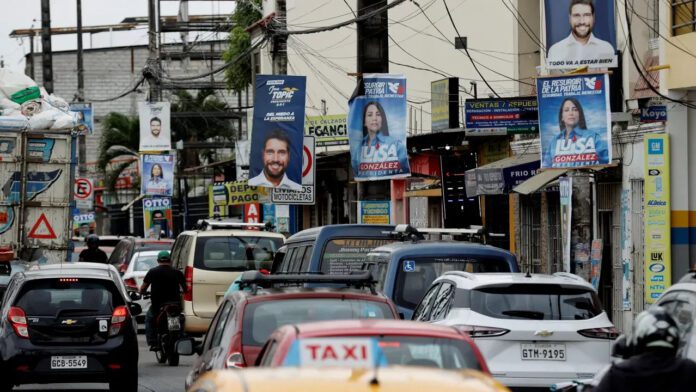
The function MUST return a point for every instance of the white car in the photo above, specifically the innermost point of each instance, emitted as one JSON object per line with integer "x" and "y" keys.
{"x": 533, "y": 330}
{"x": 140, "y": 263}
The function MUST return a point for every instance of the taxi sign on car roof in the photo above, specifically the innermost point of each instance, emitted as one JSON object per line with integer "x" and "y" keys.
{"x": 359, "y": 353}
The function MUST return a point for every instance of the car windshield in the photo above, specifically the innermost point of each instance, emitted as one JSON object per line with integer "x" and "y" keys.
{"x": 681, "y": 305}
{"x": 345, "y": 255}
{"x": 144, "y": 262}
{"x": 262, "y": 318}
{"x": 414, "y": 275}
{"x": 427, "y": 351}
{"x": 236, "y": 253}
{"x": 536, "y": 302}
{"x": 68, "y": 297}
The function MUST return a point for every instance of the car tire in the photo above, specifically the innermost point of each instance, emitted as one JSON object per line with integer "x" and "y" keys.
{"x": 173, "y": 359}
{"x": 126, "y": 382}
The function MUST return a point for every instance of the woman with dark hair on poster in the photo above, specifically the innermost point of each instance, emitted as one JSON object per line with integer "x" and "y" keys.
{"x": 377, "y": 146}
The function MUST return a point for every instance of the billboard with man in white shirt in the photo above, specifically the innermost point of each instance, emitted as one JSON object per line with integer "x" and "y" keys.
{"x": 580, "y": 33}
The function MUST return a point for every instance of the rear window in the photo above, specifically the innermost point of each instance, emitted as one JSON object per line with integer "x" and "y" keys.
{"x": 414, "y": 275}
{"x": 262, "y": 318}
{"x": 236, "y": 253}
{"x": 536, "y": 302}
{"x": 145, "y": 262}
{"x": 345, "y": 255}
{"x": 427, "y": 351}
{"x": 56, "y": 297}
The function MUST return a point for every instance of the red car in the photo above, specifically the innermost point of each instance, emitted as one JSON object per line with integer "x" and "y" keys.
{"x": 407, "y": 343}
{"x": 245, "y": 319}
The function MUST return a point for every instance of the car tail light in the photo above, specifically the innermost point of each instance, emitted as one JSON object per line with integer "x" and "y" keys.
{"x": 131, "y": 283}
{"x": 235, "y": 360}
{"x": 476, "y": 331}
{"x": 610, "y": 333}
{"x": 188, "y": 275}
{"x": 118, "y": 320}
{"x": 18, "y": 319}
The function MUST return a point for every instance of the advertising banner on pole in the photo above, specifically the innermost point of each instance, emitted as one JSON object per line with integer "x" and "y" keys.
{"x": 155, "y": 126}
{"x": 575, "y": 121}
{"x": 157, "y": 217}
{"x": 275, "y": 159}
{"x": 501, "y": 116}
{"x": 309, "y": 168}
{"x": 657, "y": 215}
{"x": 565, "y": 185}
{"x": 85, "y": 116}
{"x": 374, "y": 212}
{"x": 377, "y": 129}
{"x": 580, "y": 33}
{"x": 329, "y": 130}
{"x": 157, "y": 174}
{"x": 84, "y": 224}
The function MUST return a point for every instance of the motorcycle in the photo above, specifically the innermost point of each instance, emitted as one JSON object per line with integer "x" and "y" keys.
{"x": 169, "y": 322}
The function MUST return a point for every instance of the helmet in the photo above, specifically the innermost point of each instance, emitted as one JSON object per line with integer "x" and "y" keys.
{"x": 163, "y": 256}
{"x": 655, "y": 328}
{"x": 92, "y": 239}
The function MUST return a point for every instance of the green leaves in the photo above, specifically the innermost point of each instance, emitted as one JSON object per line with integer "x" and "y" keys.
{"x": 238, "y": 75}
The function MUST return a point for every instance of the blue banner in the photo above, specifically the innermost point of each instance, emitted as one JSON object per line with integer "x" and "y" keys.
{"x": 157, "y": 176}
{"x": 655, "y": 113}
{"x": 501, "y": 115}
{"x": 85, "y": 116}
{"x": 377, "y": 129}
{"x": 575, "y": 121}
{"x": 276, "y": 143}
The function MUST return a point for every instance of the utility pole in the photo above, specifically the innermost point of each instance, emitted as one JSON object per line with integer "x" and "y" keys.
{"x": 31, "y": 57}
{"x": 152, "y": 73}
{"x": 46, "y": 54}
{"x": 474, "y": 88}
{"x": 80, "y": 67}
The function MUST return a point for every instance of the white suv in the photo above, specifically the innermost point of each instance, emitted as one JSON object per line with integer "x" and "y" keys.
{"x": 533, "y": 330}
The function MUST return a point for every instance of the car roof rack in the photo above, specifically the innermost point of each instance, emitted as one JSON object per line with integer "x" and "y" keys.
{"x": 255, "y": 279}
{"x": 405, "y": 232}
{"x": 220, "y": 224}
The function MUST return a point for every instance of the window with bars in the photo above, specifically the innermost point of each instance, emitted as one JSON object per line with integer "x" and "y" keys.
{"x": 683, "y": 17}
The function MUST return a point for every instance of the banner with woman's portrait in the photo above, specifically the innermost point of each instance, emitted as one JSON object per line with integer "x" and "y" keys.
{"x": 377, "y": 129}
{"x": 574, "y": 121}
{"x": 157, "y": 174}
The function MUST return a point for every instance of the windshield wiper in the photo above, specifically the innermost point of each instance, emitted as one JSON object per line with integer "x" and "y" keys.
{"x": 529, "y": 314}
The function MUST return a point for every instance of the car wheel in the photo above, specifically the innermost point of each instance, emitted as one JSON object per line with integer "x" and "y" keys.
{"x": 126, "y": 382}
{"x": 173, "y": 359}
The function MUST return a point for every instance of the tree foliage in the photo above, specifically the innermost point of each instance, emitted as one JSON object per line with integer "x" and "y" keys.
{"x": 238, "y": 75}
{"x": 118, "y": 146}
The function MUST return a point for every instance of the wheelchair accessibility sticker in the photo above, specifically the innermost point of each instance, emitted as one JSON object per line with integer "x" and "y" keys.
{"x": 409, "y": 265}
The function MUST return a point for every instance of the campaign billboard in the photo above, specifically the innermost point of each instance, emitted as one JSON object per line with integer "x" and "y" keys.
{"x": 377, "y": 129}
{"x": 157, "y": 217}
{"x": 329, "y": 130}
{"x": 574, "y": 121}
{"x": 157, "y": 174}
{"x": 85, "y": 116}
{"x": 155, "y": 126}
{"x": 501, "y": 116}
{"x": 580, "y": 33}
{"x": 275, "y": 159}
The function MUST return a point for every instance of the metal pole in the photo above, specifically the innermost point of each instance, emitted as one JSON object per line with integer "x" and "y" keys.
{"x": 595, "y": 212}
{"x": 474, "y": 86}
{"x": 153, "y": 58}
{"x": 46, "y": 54}
{"x": 31, "y": 57}
{"x": 80, "y": 66}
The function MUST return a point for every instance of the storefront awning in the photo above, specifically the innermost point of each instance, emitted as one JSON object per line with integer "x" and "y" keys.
{"x": 501, "y": 176}
{"x": 539, "y": 181}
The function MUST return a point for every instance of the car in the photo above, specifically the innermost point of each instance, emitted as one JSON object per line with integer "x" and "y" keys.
{"x": 401, "y": 343}
{"x": 332, "y": 249}
{"x": 246, "y": 319}
{"x": 211, "y": 257}
{"x": 126, "y": 248}
{"x": 141, "y": 262}
{"x": 69, "y": 323}
{"x": 388, "y": 379}
{"x": 405, "y": 269}
{"x": 534, "y": 330}
{"x": 680, "y": 302}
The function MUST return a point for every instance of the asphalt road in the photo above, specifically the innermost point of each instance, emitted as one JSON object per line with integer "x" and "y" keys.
{"x": 153, "y": 376}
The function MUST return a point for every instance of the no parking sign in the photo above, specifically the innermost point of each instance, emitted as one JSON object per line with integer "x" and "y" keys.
{"x": 84, "y": 194}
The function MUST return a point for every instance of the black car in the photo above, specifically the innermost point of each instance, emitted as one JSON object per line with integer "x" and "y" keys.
{"x": 68, "y": 323}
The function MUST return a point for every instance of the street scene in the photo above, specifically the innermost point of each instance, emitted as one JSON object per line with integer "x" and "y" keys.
{"x": 347, "y": 195}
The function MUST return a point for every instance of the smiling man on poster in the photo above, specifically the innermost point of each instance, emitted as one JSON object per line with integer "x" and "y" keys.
{"x": 275, "y": 157}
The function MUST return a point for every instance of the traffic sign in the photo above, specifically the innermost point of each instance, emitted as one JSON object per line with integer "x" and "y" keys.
{"x": 42, "y": 229}
{"x": 309, "y": 167}
{"x": 84, "y": 194}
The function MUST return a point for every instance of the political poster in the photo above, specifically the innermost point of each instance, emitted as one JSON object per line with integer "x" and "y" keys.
{"x": 574, "y": 121}
{"x": 155, "y": 126}
{"x": 580, "y": 33}
{"x": 84, "y": 223}
{"x": 329, "y": 130}
{"x": 565, "y": 185}
{"x": 85, "y": 116}
{"x": 157, "y": 174}
{"x": 501, "y": 116}
{"x": 309, "y": 168}
{"x": 157, "y": 217}
{"x": 377, "y": 129}
{"x": 275, "y": 159}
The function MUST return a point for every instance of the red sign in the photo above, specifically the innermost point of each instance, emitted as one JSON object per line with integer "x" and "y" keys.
{"x": 251, "y": 213}
{"x": 42, "y": 229}
{"x": 83, "y": 188}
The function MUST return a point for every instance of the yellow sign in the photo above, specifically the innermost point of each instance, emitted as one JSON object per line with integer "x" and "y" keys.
{"x": 375, "y": 212}
{"x": 225, "y": 194}
{"x": 440, "y": 104}
{"x": 657, "y": 213}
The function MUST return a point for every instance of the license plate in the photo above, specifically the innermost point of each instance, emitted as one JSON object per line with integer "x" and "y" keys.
{"x": 173, "y": 323}
{"x": 69, "y": 362}
{"x": 543, "y": 352}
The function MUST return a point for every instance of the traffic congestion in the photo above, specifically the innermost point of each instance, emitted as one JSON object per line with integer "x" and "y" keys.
{"x": 354, "y": 307}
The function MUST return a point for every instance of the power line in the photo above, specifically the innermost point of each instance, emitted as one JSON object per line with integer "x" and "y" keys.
{"x": 123, "y": 94}
{"x": 523, "y": 24}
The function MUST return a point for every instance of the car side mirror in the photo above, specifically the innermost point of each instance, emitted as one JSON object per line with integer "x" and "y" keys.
{"x": 185, "y": 346}
{"x": 621, "y": 348}
{"x": 135, "y": 308}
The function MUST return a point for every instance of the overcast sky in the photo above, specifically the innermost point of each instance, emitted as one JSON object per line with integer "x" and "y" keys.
{"x": 22, "y": 14}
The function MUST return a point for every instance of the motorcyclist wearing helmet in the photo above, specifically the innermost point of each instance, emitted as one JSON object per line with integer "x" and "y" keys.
{"x": 653, "y": 364}
{"x": 93, "y": 254}
{"x": 167, "y": 285}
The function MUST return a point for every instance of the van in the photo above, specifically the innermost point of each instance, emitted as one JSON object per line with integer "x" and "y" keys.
{"x": 211, "y": 258}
